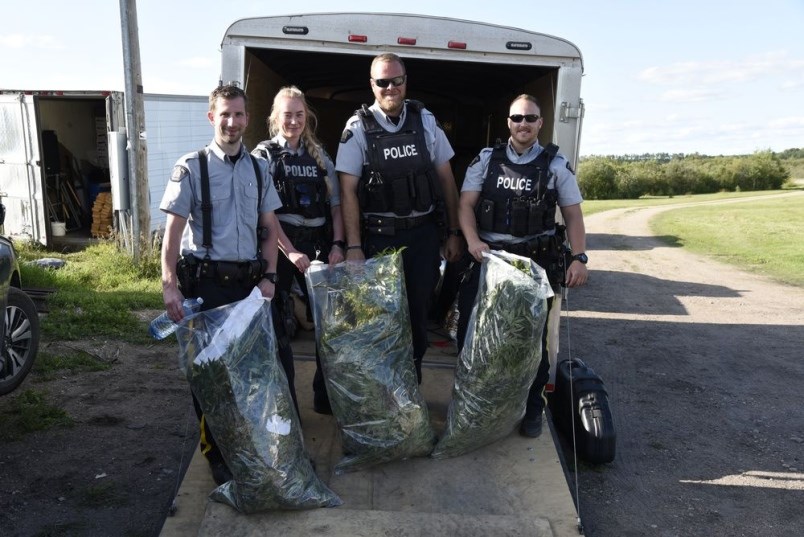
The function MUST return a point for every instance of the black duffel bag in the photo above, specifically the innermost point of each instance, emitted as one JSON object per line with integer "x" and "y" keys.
{"x": 588, "y": 403}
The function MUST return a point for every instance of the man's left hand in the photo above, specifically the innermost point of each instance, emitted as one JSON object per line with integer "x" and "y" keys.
{"x": 266, "y": 288}
{"x": 577, "y": 274}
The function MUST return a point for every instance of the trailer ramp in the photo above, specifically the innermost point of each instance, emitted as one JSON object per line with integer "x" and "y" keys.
{"x": 514, "y": 487}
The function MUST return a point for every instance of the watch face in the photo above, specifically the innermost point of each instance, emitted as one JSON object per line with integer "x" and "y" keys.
{"x": 582, "y": 258}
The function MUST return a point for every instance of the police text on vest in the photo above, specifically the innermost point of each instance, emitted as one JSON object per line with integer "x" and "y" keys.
{"x": 514, "y": 183}
{"x": 408, "y": 150}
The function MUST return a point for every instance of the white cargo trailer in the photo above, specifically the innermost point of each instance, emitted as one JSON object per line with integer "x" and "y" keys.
{"x": 465, "y": 72}
{"x": 60, "y": 149}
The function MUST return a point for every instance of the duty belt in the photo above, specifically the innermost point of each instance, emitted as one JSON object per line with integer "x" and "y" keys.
{"x": 536, "y": 248}
{"x": 387, "y": 225}
{"x": 230, "y": 272}
{"x": 303, "y": 233}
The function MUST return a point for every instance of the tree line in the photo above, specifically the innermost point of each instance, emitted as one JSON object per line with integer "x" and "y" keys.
{"x": 664, "y": 174}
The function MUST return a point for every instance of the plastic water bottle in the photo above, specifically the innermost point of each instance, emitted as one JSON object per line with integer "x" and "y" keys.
{"x": 163, "y": 326}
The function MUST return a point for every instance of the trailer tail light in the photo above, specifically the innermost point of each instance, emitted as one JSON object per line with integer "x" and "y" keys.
{"x": 456, "y": 44}
{"x": 406, "y": 40}
{"x": 357, "y": 38}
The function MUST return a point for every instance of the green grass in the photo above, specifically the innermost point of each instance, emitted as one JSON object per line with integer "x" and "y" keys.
{"x": 763, "y": 236}
{"x": 96, "y": 292}
{"x": 29, "y": 412}
{"x": 48, "y": 365}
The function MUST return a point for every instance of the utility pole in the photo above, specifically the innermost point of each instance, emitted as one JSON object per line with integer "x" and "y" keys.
{"x": 135, "y": 129}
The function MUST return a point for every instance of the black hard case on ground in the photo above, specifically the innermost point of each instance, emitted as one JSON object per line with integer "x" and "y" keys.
{"x": 588, "y": 401}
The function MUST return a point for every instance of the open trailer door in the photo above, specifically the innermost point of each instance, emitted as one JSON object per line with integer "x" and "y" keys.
{"x": 20, "y": 169}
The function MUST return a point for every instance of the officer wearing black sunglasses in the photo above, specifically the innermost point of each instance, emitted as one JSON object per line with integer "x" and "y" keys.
{"x": 396, "y": 185}
{"x": 508, "y": 202}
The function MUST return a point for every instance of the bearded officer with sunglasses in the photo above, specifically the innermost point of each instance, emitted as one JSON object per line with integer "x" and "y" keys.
{"x": 396, "y": 185}
{"x": 508, "y": 202}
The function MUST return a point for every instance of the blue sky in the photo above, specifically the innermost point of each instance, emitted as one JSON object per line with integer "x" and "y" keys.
{"x": 706, "y": 76}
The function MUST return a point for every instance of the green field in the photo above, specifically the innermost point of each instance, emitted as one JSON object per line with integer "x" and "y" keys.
{"x": 762, "y": 236}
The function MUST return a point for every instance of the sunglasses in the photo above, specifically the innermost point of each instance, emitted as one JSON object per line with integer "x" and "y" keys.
{"x": 385, "y": 82}
{"x": 530, "y": 118}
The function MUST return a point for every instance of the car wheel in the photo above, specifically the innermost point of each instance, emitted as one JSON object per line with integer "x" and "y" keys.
{"x": 21, "y": 340}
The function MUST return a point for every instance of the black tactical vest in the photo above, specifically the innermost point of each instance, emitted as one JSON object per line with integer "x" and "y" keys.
{"x": 300, "y": 183}
{"x": 515, "y": 199}
{"x": 400, "y": 176}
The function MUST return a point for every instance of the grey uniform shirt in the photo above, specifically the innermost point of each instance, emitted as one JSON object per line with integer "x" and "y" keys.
{"x": 352, "y": 149}
{"x": 562, "y": 179}
{"x": 233, "y": 193}
{"x": 333, "y": 185}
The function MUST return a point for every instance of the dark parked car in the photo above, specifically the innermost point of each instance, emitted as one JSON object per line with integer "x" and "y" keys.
{"x": 20, "y": 322}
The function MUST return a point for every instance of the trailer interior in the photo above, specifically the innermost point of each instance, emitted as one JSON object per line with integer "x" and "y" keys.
{"x": 470, "y": 99}
{"x": 75, "y": 162}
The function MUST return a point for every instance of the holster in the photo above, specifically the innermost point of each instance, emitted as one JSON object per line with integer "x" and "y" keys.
{"x": 552, "y": 254}
{"x": 187, "y": 274}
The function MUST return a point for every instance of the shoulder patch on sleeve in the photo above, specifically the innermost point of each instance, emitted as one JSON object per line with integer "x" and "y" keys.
{"x": 570, "y": 168}
{"x": 474, "y": 161}
{"x": 347, "y": 134}
{"x": 179, "y": 173}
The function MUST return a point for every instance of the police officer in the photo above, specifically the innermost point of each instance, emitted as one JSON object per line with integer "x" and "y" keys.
{"x": 393, "y": 161}
{"x": 310, "y": 217}
{"x": 508, "y": 202}
{"x": 220, "y": 247}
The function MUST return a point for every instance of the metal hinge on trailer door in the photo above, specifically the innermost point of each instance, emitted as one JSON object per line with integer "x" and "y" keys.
{"x": 568, "y": 111}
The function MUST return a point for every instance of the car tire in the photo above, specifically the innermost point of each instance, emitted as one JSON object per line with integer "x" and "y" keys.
{"x": 21, "y": 340}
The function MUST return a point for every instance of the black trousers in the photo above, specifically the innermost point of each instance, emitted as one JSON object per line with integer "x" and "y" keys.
{"x": 215, "y": 295}
{"x": 421, "y": 259}
{"x": 288, "y": 272}
{"x": 466, "y": 299}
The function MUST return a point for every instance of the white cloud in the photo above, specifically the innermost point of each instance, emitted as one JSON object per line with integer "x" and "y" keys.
{"x": 19, "y": 41}
{"x": 688, "y": 96}
{"x": 787, "y": 123}
{"x": 714, "y": 72}
{"x": 791, "y": 85}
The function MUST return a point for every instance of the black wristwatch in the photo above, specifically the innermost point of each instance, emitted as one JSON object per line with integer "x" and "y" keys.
{"x": 457, "y": 232}
{"x": 339, "y": 244}
{"x": 270, "y": 276}
{"x": 582, "y": 257}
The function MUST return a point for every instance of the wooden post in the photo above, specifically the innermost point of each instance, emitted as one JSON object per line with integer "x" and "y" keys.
{"x": 135, "y": 129}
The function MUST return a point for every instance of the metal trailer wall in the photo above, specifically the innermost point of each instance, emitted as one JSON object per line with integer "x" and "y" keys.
{"x": 174, "y": 125}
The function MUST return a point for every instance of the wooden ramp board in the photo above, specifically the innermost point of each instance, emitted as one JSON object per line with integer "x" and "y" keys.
{"x": 513, "y": 487}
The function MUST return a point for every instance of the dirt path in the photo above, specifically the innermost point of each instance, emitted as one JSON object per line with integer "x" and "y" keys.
{"x": 704, "y": 369}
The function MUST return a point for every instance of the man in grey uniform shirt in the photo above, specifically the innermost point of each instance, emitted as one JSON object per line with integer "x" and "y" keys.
{"x": 241, "y": 249}
{"x": 396, "y": 184}
{"x": 508, "y": 202}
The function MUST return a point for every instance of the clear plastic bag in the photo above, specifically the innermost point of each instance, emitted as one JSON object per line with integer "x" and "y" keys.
{"x": 501, "y": 354}
{"x": 364, "y": 339}
{"x": 229, "y": 355}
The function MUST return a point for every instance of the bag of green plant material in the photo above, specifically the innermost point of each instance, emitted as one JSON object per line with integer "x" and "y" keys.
{"x": 229, "y": 355}
{"x": 364, "y": 340}
{"x": 501, "y": 354}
